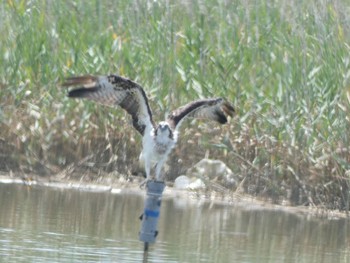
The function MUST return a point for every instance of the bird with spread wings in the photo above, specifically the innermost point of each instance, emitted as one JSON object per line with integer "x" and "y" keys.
{"x": 157, "y": 139}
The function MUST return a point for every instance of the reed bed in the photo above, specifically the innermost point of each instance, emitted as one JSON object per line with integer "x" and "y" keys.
{"x": 284, "y": 64}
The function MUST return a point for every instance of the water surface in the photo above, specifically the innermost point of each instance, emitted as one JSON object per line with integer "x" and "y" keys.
{"x": 42, "y": 224}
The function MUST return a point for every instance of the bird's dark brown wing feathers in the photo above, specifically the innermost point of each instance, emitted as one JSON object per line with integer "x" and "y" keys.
{"x": 213, "y": 109}
{"x": 114, "y": 90}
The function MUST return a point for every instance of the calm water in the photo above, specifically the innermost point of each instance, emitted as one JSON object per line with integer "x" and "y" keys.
{"x": 40, "y": 224}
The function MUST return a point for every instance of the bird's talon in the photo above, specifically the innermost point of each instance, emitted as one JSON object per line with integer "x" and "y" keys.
{"x": 143, "y": 183}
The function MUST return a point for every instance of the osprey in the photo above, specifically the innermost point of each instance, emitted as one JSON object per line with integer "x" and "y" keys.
{"x": 157, "y": 140}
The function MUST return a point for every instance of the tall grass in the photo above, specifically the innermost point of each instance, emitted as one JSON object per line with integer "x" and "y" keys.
{"x": 285, "y": 65}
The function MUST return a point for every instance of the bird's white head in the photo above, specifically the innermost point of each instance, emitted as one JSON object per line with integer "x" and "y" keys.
{"x": 163, "y": 129}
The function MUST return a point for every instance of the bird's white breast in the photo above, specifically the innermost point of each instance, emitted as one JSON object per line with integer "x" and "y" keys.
{"x": 157, "y": 147}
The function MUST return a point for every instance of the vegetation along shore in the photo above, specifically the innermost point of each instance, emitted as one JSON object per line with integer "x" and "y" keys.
{"x": 283, "y": 64}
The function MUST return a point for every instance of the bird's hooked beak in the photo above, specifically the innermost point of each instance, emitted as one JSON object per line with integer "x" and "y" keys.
{"x": 163, "y": 127}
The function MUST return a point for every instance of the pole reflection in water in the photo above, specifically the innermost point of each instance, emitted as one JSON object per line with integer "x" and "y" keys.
{"x": 43, "y": 224}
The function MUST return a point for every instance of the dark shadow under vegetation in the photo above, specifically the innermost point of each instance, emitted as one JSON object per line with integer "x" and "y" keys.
{"x": 91, "y": 158}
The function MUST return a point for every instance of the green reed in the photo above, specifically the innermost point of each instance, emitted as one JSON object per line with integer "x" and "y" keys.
{"x": 285, "y": 65}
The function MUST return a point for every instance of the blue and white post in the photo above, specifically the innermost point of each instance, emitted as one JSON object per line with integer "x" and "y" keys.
{"x": 151, "y": 213}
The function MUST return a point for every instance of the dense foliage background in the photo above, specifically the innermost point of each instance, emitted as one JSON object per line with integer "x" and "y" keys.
{"x": 284, "y": 64}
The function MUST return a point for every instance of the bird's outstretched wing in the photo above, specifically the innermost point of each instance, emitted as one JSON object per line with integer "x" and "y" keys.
{"x": 216, "y": 109}
{"x": 114, "y": 90}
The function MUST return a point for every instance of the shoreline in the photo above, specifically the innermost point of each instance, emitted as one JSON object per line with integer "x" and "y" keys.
{"x": 232, "y": 199}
